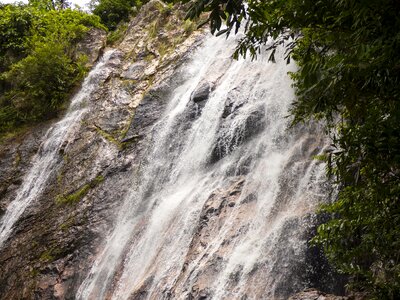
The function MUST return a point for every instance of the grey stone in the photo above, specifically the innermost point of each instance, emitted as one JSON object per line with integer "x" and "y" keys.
{"x": 135, "y": 71}
{"x": 91, "y": 45}
{"x": 201, "y": 93}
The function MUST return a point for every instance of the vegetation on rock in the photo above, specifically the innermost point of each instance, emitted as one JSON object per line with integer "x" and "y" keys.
{"x": 348, "y": 54}
{"x": 78, "y": 195}
{"x": 38, "y": 63}
{"x": 112, "y": 12}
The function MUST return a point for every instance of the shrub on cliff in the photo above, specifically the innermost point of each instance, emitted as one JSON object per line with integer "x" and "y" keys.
{"x": 40, "y": 82}
{"x": 112, "y": 12}
{"x": 38, "y": 68}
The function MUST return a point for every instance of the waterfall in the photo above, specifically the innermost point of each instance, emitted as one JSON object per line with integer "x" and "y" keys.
{"x": 49, "y": 157}
{"x": 223, "y": 198}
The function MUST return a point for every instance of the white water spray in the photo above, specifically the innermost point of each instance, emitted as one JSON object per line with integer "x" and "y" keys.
{"x": 220, "y": 207}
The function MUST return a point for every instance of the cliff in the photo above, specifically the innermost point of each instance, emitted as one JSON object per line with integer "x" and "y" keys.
{"x": 173, "y": 175}
{"x": 54, "y": 241}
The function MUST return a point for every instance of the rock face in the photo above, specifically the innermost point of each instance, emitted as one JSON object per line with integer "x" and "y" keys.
{"x": 201, "y": 93}
{"x": 15, "y": 157}
{"x": 92, "y": 45}
{"x": 313, "y": 294}
{"x": 55, "y": 240}
{"x": 228, "y": 141}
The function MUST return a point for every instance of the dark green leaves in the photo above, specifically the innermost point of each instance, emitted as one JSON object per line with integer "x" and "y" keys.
{"x": 111, "y": 12}
{"x": 229, "y": 13}
{"x": 37, "y": 67}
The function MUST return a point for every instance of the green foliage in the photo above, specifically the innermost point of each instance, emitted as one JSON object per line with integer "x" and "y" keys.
{"x": 117, "y": 35}
{"x": 74, "y": 197}
{"x": 50, "y": 254}
{"x": 38, "y": 68}
{"x": 46, "y": 256}
{"x": 230, "y": 13}
{"x": 111, "y": 12}
{"x": 42, "y": 4}
{"x": 41, "y": 81}
{"x": 50, "y": 4}
{"x": 348, "y": 53}
{"x": 153, "y": 29}
{"x": 189, "y": 26}
{"x": 15, "y": 24}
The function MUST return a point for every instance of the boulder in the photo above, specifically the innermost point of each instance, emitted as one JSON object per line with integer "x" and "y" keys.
{"x": 201, "y": 93}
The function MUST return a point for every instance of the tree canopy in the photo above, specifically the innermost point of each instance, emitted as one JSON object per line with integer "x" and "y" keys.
{"x": 348, "y": 57}
{"x": 111, "y": 12}
{"x": 38, "y": 68}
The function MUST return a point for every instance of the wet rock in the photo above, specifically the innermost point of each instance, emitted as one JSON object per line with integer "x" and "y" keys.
{"x": 17, "y": 181}
{"x": 215, "y": 212}
{"x": 231, "y": 107}
{"x": 15, "y": 158}
{"x": 232, "y": 133}
{"x": 148, "y": 111}
{"x": 227, "y": 110}
{"x": 203, "y": 296}
{"x": 197, "y": 102}
{"x": 61, "y": 151}
{"x": 151, "y": 69}
{"x": 249, "y": 199}
{"x": 59, "y": 291}
{"x": 92, "y": 45}
{"x": 142, "y": 291}
{"x": 201, "y": 93}
{"x": 131, "y": 138}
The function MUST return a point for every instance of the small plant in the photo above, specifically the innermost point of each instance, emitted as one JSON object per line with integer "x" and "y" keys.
{"x": 163, "y": 50}
{"x": 166, "y": 9}
{"x": 153, "y": 29}
{"x": 46, "y": 256}
{"x": 117, "y": 35}
{"x": 189, "y": 26}
{"x": 67, "y": 224}
{"x": 78, "y": 195}
{"x": 51, "y": 254}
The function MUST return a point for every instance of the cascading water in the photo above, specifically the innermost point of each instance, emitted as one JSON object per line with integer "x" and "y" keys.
{"x": 220, "y": 208}
{"x": 48, "y": 158}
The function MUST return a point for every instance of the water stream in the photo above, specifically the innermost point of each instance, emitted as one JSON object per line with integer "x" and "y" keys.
{"x": 48, "y": 157}
{"x": 224, "y": 197}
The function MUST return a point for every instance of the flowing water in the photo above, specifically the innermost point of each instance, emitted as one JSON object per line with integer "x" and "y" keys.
{"x": 49, "y": 156}
{"x": 221, "y": 206}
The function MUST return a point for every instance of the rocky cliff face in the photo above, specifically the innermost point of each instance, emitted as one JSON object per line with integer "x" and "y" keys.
{"x": 54, "y": 241}
{"x": 169, "y": 184}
